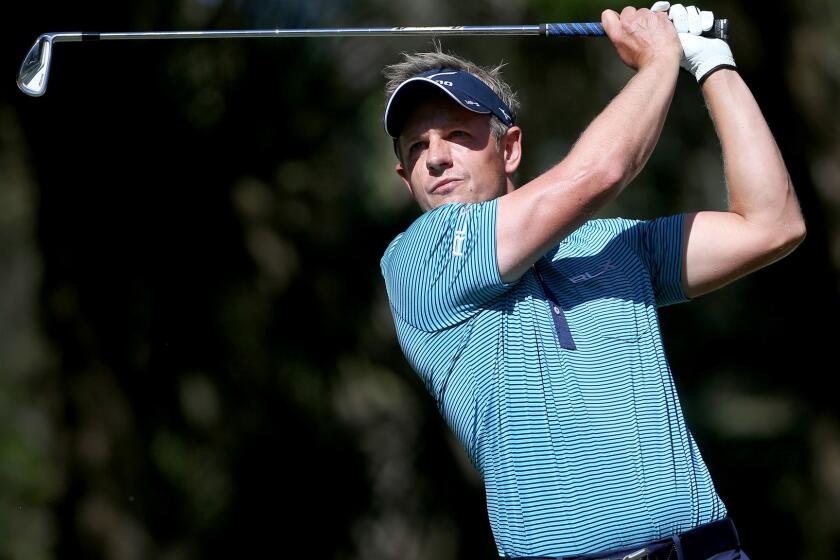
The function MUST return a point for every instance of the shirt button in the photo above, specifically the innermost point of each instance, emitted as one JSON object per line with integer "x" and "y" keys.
{"x": 556, "y": 310}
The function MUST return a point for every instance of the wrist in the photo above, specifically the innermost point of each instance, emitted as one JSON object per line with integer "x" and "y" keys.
{"x": 721, "y": 78}
{"x": 663, "y": 64}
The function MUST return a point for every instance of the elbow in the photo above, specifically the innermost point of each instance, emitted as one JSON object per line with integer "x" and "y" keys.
{"x": 586, "y": 187}
{"x": 792, "y": 235}
{"x": 795, "y": 226}
{"x": 601, "y": 184}
{"x": 790, "y": 230}
{"x": 593, "y": 177}
{"x": 604, "y": 181}
{"x": 795, "y": 229}
{"x": 797, "y": 234}
{"x": 606, "y": 172}
{"x": 613, "y": 177}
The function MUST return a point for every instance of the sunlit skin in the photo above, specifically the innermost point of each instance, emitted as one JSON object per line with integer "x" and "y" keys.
{"x": 451, "y": 156}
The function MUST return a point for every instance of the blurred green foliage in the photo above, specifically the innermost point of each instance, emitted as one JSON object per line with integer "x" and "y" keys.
{"x": 197, "y": 358}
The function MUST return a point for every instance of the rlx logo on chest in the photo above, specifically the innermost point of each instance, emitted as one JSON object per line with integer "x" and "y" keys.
{"x": 606, "y": 267}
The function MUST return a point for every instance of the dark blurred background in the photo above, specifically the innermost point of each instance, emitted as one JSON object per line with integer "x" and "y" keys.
{"x": 197, "y": 358}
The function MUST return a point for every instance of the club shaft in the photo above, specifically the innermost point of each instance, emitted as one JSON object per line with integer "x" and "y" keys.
{"x": 34, "y": 72}
{"x": 569, "y": 29}
{"x": 588, "y": 29}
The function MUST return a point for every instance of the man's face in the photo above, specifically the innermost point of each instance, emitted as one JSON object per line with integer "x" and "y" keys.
{"x": 450, "y": 155}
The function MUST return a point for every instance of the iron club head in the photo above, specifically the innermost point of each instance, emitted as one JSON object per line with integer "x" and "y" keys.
{"x": 35, "y": 70}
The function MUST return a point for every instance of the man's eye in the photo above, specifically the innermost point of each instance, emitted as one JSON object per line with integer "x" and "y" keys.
{"x": 416, "y": 147}
{"x": 458, "y": 134}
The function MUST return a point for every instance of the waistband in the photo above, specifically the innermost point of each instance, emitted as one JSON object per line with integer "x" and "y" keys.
{"x": 699, "y": 543}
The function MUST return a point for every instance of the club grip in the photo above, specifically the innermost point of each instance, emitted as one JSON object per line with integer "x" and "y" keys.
{"x": 720, "y": 30}
{"x": 573, "y": 30}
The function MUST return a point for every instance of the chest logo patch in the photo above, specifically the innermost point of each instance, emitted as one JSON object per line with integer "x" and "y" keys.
{"x": 606, "y": 267}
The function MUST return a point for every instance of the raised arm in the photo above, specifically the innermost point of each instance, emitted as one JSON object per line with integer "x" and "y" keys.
{"x": 610, "y": 152}
{"x": 764, "y": 222}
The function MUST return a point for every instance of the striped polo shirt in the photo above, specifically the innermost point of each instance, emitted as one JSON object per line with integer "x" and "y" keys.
{"x": 582, "y": 449}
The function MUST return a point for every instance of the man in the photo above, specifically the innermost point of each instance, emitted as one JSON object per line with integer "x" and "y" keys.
{"x": 534, "y": 326}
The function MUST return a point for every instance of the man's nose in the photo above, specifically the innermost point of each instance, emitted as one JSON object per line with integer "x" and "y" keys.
{"x": 438, "y": 157}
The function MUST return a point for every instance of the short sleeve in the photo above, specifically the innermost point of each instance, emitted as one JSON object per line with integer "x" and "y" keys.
{"x": 661, "y": 242}
{"x": 443, "y": 269}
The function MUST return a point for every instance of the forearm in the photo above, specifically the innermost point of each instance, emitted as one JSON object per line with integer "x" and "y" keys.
{"x": 607, "y": 156}
{"x": 610, "y": 152}
{"x": 759, "y": 187}
{"x": 620, "y": 140}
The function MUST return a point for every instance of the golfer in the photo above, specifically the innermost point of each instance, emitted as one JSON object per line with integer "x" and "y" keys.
{"x": 534, "y": 326}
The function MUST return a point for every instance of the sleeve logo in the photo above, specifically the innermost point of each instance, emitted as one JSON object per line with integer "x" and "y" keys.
{"x": 458, "y": 241}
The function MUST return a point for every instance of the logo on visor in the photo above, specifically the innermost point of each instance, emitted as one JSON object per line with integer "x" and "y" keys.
{"x": 445, "y": 83}
{"x": 471, "y": 102}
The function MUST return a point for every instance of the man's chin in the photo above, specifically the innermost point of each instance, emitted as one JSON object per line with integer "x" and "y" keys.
{"x": 469, "y": 197}
{"x": 438, "y": 201}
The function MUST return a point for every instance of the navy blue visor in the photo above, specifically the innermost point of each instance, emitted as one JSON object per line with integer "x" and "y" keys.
{"x": 464, "y": 88}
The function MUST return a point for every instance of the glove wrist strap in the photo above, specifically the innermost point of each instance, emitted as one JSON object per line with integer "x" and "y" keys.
{"x": 712, "y": 70}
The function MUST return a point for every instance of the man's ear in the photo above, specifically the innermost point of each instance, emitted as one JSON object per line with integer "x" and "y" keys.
{"x": 512, "y": 146}
{"x": 404, "y": 176}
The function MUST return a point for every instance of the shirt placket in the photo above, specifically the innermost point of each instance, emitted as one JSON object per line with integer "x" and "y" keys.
{"x": 561, "y": 325}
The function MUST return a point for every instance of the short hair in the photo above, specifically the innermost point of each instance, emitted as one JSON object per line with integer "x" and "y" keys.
{"x": 416, "y": 63}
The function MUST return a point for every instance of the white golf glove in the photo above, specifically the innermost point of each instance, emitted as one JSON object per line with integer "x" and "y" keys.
{"x": 702, "y": 56}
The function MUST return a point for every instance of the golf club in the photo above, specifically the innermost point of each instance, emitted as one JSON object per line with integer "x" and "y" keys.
{"x": 34, "y": 72}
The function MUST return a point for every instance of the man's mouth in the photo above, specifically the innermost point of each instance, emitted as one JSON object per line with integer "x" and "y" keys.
{"x": 444, "y": 186}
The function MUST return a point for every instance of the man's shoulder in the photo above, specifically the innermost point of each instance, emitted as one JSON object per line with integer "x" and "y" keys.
{"x": 426, "y": 224}
{"x": 433, "y": 224}
{"x": 415, "y": 226}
